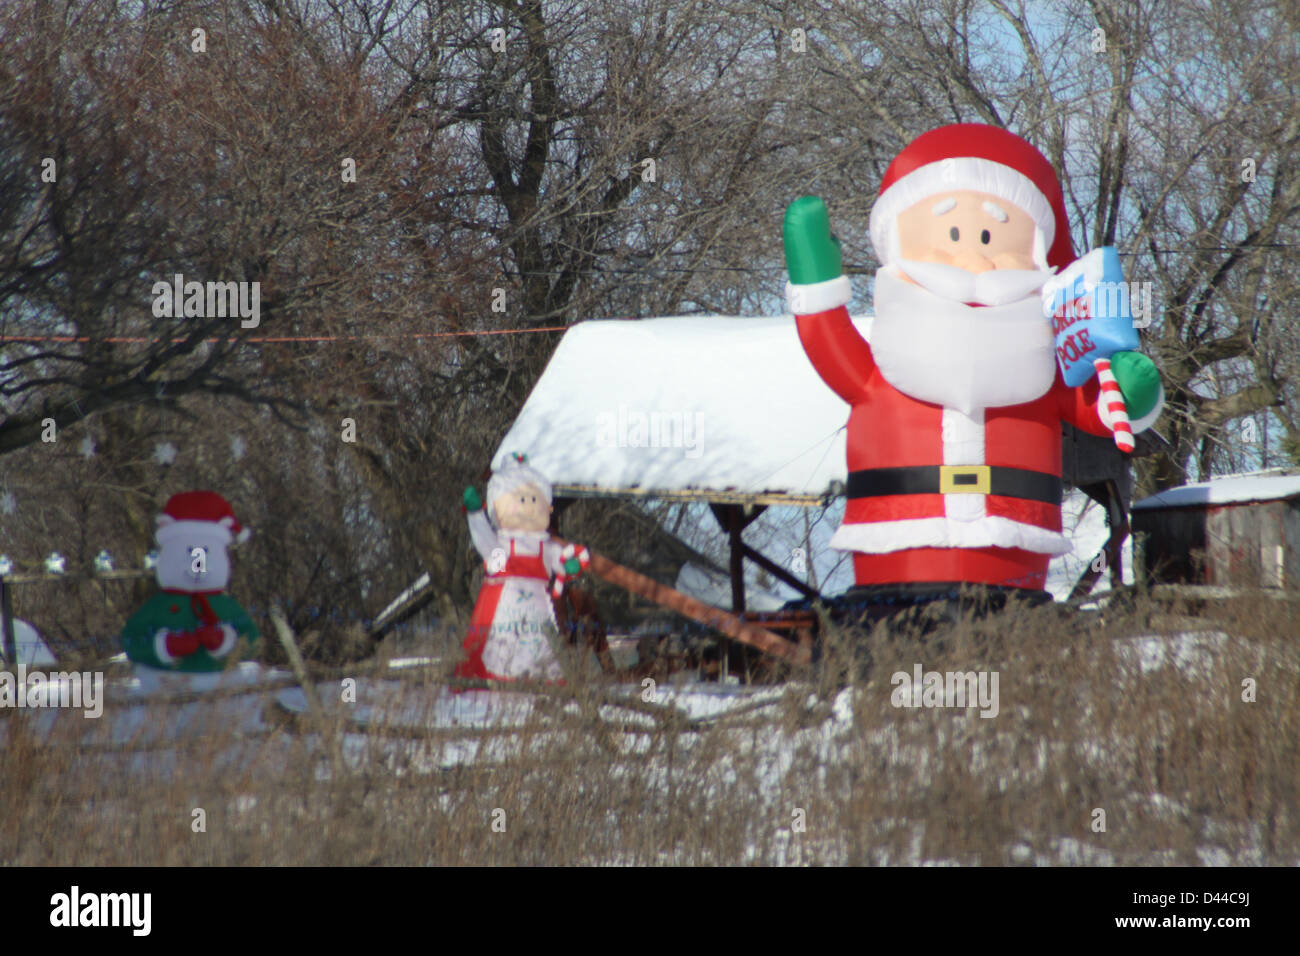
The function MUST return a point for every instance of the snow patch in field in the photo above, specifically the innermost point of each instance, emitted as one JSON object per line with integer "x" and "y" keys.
{"x": 245, "y": 802}
{"x": 151, "y": 683}
{"x": 391, "y": 703}
{"x": 1192, "y": 652}
{"x": 1071, "y": 852}
{"x": 1213, "y": 856}
{"x": 700, "y": 701}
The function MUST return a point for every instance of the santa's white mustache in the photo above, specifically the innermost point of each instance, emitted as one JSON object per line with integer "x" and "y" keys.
{"x": 995, "y": 287}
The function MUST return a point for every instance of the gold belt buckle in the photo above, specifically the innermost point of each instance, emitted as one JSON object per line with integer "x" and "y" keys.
{"x": 964, "y": 479}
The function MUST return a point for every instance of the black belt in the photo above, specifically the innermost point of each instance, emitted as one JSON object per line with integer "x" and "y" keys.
{"x": 956, "y": 479}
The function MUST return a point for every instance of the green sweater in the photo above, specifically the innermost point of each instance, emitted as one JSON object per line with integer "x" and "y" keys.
{"x": 172, "y": 612}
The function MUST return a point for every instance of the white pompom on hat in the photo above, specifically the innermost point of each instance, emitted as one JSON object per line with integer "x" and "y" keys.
{"x": 516, "y": 473}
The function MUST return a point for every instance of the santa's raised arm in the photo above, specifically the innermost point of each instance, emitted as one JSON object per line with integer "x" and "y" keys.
{"x": 954, "y": 434}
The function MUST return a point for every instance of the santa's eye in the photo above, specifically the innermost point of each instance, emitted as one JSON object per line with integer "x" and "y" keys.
{"x": 985, "y": 237}
{"x": 954, "y": 233}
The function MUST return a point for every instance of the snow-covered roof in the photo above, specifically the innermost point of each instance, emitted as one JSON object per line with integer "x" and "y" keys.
{"x": 724, "y": 406}
{"x": 1230, "y": 489}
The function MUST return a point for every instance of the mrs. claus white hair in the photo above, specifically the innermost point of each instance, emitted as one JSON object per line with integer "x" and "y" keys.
{"x": 514, "y": 474}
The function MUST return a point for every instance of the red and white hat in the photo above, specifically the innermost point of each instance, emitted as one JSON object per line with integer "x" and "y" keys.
{"x": 200, "y": 514}
{"x": 977, "y": 157}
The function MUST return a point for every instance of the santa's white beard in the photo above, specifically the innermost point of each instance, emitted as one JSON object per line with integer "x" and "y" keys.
{"x": 941, "y": 350}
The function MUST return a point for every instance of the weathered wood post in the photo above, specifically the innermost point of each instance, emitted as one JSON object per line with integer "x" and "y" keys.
{"x": 10, "y": 645}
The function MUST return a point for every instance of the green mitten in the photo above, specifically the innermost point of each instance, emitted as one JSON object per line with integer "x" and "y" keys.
{"x": 812, "y": 254}
{"x": 472, "y": 501}
{"x": 1139, "y": 382}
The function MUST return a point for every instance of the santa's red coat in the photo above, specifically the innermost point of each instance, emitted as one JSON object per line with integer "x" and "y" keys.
{"x": 963, "y": 537}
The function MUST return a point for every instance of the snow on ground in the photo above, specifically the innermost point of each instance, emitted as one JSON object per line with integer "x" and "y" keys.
{"x": 148, "y": 683}
{"x": 1254, "y": 486}
{"x": 380, "y": 703}
{"x": 780, "y": 762}
{"x": 700, "y": 701}
{"x": 125, "y": 711}
{"x": 1192, "y": 653}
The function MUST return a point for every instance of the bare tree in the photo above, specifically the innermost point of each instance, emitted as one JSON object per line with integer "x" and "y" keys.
{"x": 426, "y": 190}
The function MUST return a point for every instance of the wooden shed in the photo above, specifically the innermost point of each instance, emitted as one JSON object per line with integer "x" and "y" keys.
{"x": 1235, "y": 531}
{"x": 727, "y": 416}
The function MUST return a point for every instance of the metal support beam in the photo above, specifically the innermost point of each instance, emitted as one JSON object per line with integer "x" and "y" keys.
{"x": 733, "y": 518}
{"x": 7, "y": 619}
{"x": 737, "y": 548}
{"x": 777, "y": 571}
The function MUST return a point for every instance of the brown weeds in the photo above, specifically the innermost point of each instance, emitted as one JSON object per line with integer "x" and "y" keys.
{"x": 1098, "y": 714}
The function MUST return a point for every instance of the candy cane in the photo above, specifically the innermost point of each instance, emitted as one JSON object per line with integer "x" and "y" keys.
{"x": 1120, "y": 427}
{"x": 561, "y": 576}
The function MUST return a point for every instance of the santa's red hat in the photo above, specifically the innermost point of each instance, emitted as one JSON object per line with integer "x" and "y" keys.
{"x": 202, "y": 512}
{"x": 974, "y": 156}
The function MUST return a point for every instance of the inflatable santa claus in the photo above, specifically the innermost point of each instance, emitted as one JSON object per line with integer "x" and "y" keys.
{"x": 954, "y": 432}
{"x": 510, "y": 632}
{"x": 191, "y": 625}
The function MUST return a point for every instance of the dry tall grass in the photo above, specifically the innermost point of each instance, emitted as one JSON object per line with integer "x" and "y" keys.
{"x": 1092, "y": 716}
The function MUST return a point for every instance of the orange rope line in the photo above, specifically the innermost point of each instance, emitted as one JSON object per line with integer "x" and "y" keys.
{"x": 283, "y": 338}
